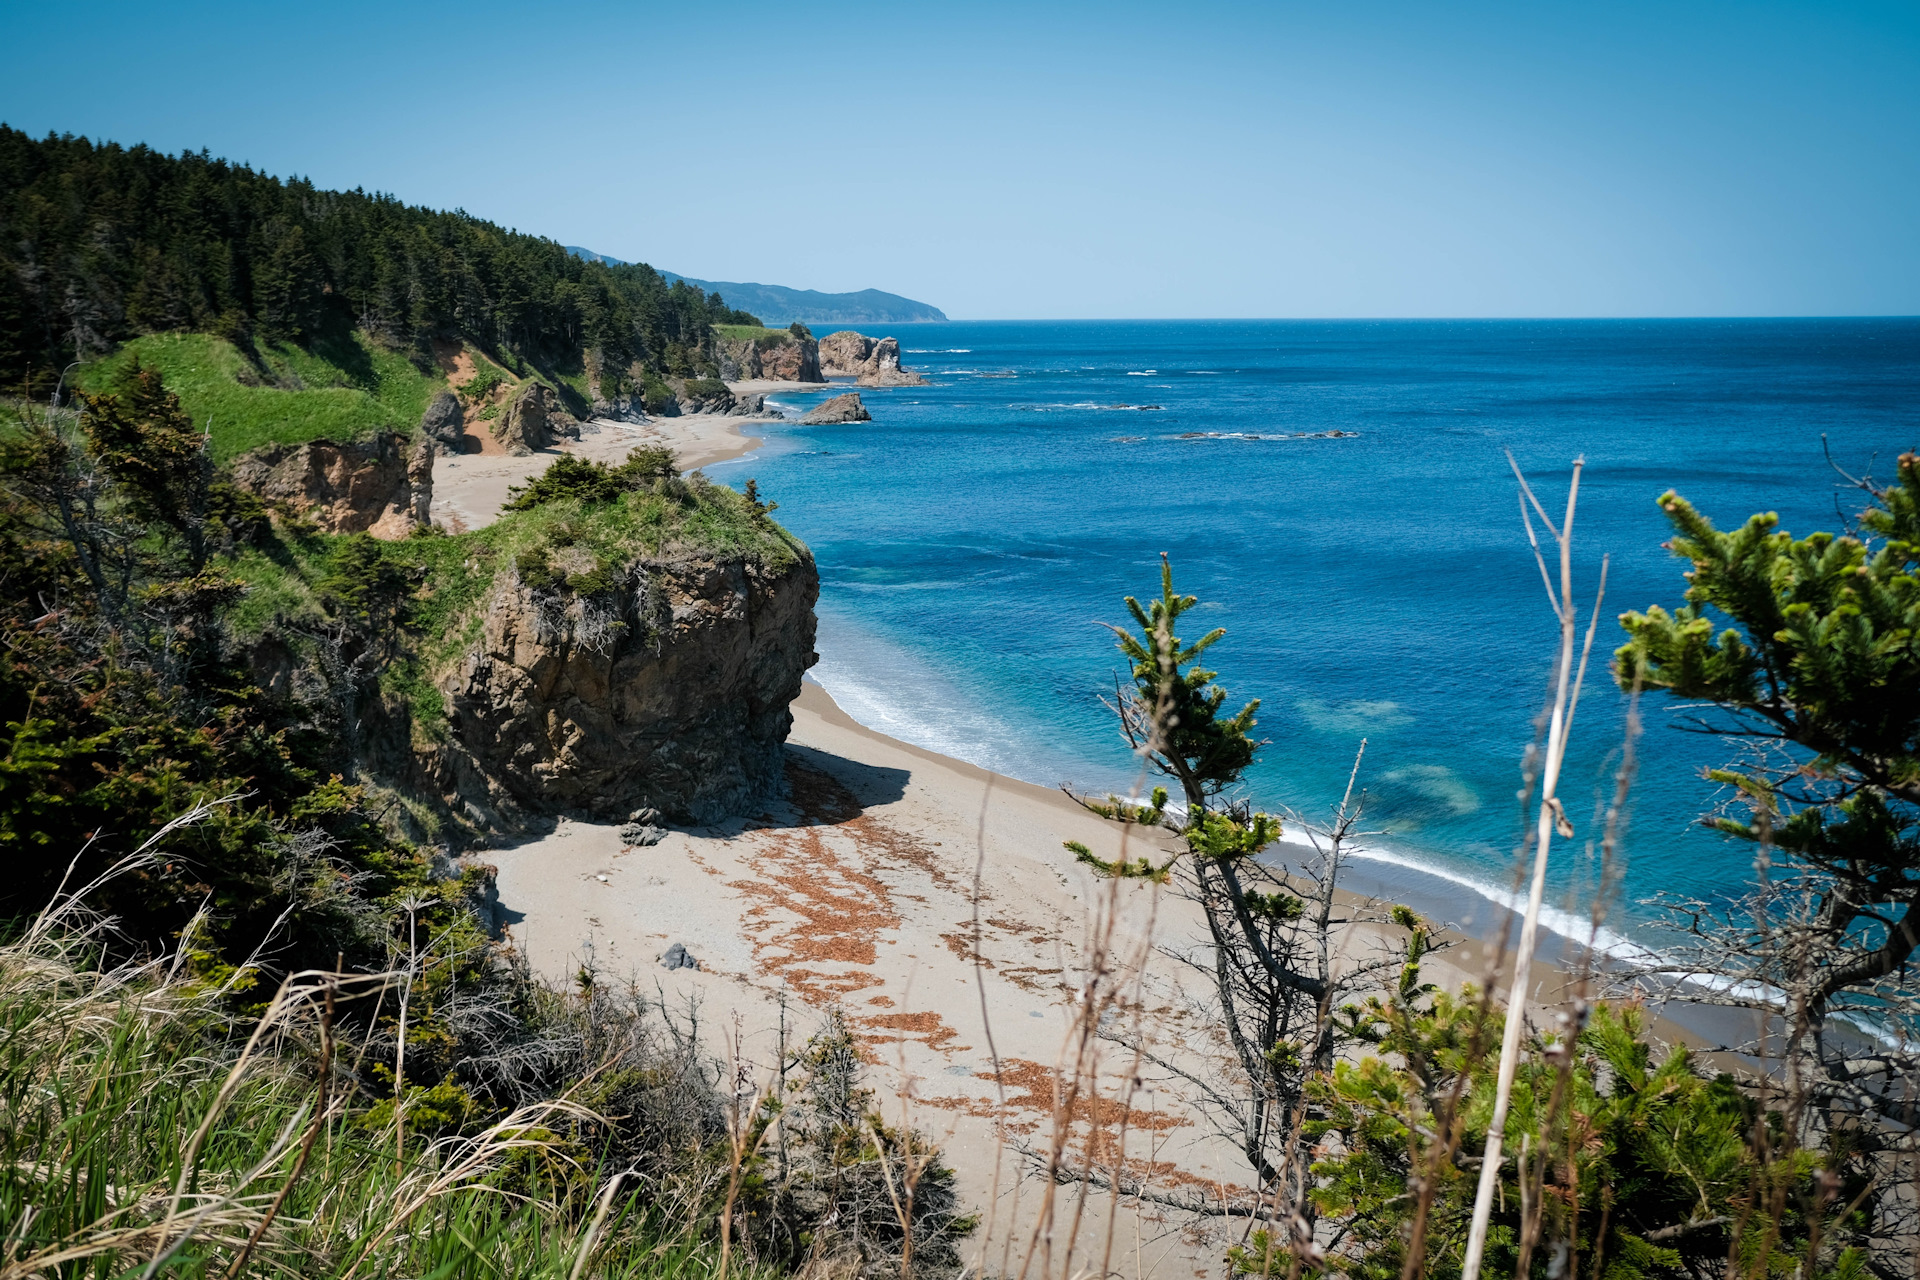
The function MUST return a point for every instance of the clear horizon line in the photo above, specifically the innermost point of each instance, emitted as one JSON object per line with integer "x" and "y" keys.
{"x": 1423, "y": 319}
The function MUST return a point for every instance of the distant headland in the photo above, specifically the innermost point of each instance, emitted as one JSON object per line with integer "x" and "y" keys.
{"x": 778, "y": 305}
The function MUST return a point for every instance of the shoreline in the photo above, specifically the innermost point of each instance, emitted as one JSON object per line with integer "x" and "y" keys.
{"x": 469, "y": 488}
{"x": 857, "y": 892}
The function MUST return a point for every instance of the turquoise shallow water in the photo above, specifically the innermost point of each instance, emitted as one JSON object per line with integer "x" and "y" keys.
{"x": 972, "y": 536}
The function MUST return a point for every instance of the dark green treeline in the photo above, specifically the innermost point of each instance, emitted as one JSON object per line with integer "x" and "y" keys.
{"x": 100, "y": 243}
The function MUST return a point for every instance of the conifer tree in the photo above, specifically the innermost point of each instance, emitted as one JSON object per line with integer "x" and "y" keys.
{"x": 1817, "y": 685}
{"x": 1172, "y": 714}
{"x": 146, "y": 442}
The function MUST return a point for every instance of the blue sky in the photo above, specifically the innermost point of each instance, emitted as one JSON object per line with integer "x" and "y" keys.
{"x": 1059, "y": 160}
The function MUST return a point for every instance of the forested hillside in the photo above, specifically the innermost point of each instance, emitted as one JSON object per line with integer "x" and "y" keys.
{"x": 100, "y": 243}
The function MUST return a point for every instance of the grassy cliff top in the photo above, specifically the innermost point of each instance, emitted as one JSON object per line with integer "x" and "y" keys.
{"x": 345, "y": 388}
{"x": 752, "y": 333}
{"x": 583, "y": 547}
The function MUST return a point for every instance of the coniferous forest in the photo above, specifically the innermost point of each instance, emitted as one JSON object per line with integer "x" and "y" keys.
{"x": 100, "y": 243}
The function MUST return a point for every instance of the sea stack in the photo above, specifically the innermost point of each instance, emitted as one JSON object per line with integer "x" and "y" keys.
{"x": 871, "y": 363}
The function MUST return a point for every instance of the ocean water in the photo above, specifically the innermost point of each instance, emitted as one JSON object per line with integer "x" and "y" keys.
{"x": 1376, "y": 584}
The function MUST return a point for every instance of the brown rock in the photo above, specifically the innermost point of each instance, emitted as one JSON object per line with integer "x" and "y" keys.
{"x": 524, "y": 422}
{"x": 847, "y": 354}
{"x": 420, "y": 480}
{"x": 844, "y": 354}
{"x": 373, "y": 486}
{"x": 781, "y": 357}
{"x": 669, "y": 691}
{"x": 846, "y": 408}
{"x": 883, "y": 368}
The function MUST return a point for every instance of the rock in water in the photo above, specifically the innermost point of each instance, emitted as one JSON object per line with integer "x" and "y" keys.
{"x": 844, "y": 354}
{"x": 847, "y": 354}
{"x": 444, "y": 423}
{"x": 846, "y": 408}
{"x": 373, "y": 486}
{"x": 676, "y": 957}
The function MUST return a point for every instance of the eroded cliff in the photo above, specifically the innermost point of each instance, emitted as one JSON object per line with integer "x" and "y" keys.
{"x": 638, "y": 653}
{"x": 670, "y": 692}
{"x": 382, "y": 485}
{"x": 777, "y": 355}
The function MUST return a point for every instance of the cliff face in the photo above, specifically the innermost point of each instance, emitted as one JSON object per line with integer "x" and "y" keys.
{"x": 784, "y": 358}
{"x": 668, "y": 691}
{"x": 378, "y": 486}
{"x": 872, "y": 363}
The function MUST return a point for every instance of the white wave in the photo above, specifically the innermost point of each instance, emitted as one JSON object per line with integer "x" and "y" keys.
{"x": 1142, "y": 373}
{"x": 1555, "y": 920}
{"x": 939, "y": 351}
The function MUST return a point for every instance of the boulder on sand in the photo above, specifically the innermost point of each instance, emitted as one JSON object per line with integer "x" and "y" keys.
{"x": 846, "y": 408}
{"x": 444, "y": 423}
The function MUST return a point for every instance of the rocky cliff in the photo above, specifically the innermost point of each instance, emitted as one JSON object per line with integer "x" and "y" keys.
{"x": 666, "y": 689}
{"x": 378, "y": 486}
{"x": 873, "y": 363}
{"x": 777, "y": 355}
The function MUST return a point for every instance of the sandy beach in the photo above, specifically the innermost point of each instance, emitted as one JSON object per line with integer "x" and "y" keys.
{"x": 859, "y": 891}
{"x": 864, "y": 890}
{"x": 468, "y": 488}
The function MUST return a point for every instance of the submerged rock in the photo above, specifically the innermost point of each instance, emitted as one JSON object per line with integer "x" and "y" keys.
{"x": 846, "y": 408}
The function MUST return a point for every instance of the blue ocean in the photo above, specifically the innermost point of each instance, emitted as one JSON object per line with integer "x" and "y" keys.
{"x": 1338, "y": 496}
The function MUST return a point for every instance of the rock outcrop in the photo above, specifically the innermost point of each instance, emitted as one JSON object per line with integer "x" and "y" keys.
{"x": 846, "y": 408}
{"x": 378, "y": 486}
{"x": 667, "y": 689}
{"x": 532, "y": 418}
{"x": 445, "y": 423}
{"x": 621, "y": 409}
{"x": 695, "y": 395}
{"x": 872, "y": 363}
{"x": 781, "y": 357}
{"x": 702, "y": 395}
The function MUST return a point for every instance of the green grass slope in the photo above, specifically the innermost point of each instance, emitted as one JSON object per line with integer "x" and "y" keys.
{"x": 338, "y": 388}
{"x": 751, "y": 333}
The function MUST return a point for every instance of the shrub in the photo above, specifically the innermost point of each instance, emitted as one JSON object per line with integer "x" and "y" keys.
{"x": 587, "y": 481}
{"x": 656, "y": 396}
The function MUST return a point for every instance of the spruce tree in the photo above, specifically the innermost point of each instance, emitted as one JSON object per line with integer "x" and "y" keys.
{"x": 1172, "y": 714}
{"x": 1816, "y": 683}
